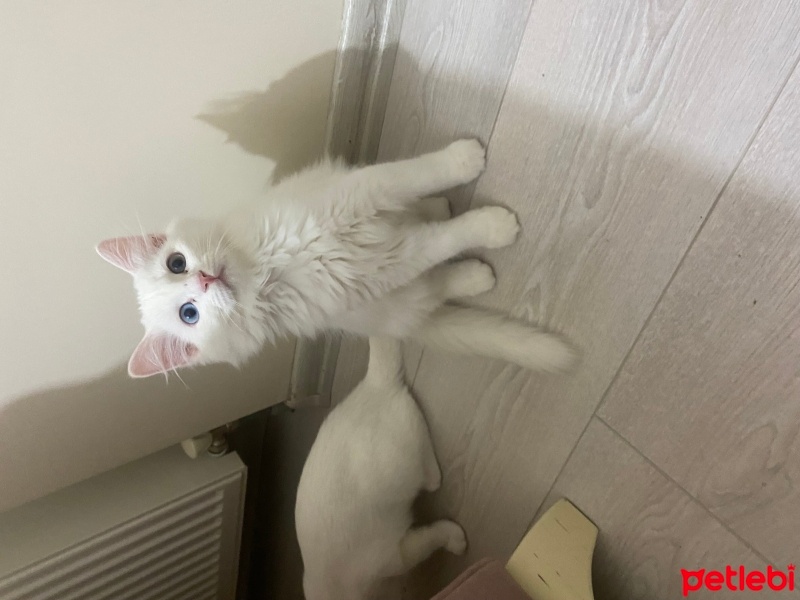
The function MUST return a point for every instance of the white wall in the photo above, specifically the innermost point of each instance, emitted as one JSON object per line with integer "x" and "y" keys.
{"x": 99, "y": 134}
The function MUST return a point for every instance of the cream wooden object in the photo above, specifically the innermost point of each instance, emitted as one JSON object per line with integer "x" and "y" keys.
{"x": 650, "y": 528}
{"x": 554, "y": 559}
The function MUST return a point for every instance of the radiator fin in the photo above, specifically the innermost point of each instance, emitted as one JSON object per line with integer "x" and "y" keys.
{"x": 170, "y": 553}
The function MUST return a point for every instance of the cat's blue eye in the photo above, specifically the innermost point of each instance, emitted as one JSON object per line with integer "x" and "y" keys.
{"x": 176, "y": 263}
{"x": 189, "y": 313}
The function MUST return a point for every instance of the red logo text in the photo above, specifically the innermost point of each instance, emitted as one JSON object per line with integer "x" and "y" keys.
{"x": 738, "y": 579}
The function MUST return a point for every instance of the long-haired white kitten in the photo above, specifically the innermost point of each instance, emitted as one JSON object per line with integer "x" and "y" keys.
{"x": 372, "y": 457}
{"x": 331, "y": 248}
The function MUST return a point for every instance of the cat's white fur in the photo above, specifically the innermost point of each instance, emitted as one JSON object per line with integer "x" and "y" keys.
{"x": 371, "y": 458}
{"x": 331, "y": 248}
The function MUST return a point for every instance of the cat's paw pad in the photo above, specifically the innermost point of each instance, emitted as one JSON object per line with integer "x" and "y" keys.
{"x": 498, "y": 226}
{"x": 456, "y": 538}
{"x": 468, "y": 158}
{"x": 469, "y": 278}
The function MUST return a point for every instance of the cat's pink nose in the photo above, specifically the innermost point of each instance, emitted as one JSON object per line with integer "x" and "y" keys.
{"x": 206, "y": 280}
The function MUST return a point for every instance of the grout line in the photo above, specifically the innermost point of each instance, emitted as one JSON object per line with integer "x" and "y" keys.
{"x": 510, "y": 75}
{"x": 696, "y": 236}
{"x": 474, "y": 185}
{"x": 558, "y": 475}
{"x": 664, "y": 474}
{"x": 661, "y": 296}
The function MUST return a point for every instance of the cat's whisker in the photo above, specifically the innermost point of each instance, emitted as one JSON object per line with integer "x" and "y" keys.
{"x": 239, "y": 306}
{"x": 234, "y": 323}
{"x": 207, "y": 244}
{"x": 242, "y": 313}
{"x": 219, "y": 242}
{"x": 139, "y": 221}
{"x": 266, "y": 279}
{"x": 178, "y": 375}
{"x": 224, "y": 238}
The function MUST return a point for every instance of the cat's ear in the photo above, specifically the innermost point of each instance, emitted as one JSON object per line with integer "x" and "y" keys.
{"x": 159, "y": 353}
{"x": 130, "y": 253}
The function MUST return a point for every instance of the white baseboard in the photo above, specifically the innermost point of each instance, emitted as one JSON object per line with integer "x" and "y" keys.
{"x": 363, "y": 72}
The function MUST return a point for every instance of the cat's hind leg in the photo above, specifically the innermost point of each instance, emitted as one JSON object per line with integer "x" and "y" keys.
{"x": 432, "y": 472}
{"x": 420, "y": 542}
{"x": 460, "y": 279}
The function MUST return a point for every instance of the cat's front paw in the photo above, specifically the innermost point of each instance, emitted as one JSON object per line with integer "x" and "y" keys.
{"x": 499, "y": 226}
{"x": 468, "y": 159}
{"x": 457, "y": 539}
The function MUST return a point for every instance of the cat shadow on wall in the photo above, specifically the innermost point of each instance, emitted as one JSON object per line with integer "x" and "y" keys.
{"x": 285, "y": 121}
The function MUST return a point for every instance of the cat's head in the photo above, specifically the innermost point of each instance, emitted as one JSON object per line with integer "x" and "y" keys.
{"x": 196, "y": 295}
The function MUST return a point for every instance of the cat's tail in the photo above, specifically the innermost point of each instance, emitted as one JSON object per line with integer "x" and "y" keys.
{"x": 385, "y": 360}
{"x": 478, "y": 332}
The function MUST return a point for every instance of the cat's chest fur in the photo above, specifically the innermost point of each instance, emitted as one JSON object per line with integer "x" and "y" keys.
{"x": 310, "y": 264}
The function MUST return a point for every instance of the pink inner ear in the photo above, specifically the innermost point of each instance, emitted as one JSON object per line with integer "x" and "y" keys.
{"x": 130, "y": 253}
{"x": 158, "y": 353}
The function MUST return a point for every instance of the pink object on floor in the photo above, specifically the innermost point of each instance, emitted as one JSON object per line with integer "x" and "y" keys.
{"x": 487, "y": 579}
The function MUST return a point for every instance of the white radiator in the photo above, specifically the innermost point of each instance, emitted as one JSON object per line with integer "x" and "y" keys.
{"x": 165, "y": 527}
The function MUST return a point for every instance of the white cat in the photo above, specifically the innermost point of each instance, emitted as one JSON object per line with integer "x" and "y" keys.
{"x": 372, "y": 457}
{"x": 331, "y": 248}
